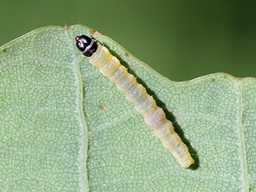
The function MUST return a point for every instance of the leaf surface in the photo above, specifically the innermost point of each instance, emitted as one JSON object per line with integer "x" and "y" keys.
{"x": 66, "y": 127}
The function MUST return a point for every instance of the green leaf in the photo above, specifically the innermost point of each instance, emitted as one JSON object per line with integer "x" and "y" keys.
{"x": 66, "y": 127}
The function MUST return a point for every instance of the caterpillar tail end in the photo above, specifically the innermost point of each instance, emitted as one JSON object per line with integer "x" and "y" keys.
{"x": 186, "y": 164}
{"x": 173, "y": 143}
{"x": 183, "y": 156}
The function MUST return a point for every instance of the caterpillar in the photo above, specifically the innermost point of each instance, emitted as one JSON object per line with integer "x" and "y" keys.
{"x": 145, "y": 104}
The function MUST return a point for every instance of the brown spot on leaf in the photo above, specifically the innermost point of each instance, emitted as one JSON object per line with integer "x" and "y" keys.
{"x": 127, "y": 53}
{"x": 239, "y": 78}
{"x": 66, "y": 27}
{"x": 101, "y": 105}
{"x": 95, "y": 32}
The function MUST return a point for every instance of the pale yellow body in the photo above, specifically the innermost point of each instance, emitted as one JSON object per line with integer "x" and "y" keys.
{"x": 145, "y": 104}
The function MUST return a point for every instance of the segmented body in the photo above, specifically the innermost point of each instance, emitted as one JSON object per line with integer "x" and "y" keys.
{"x": 145, "y": 104}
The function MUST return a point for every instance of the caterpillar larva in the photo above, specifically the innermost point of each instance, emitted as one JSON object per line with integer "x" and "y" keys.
{"x": 154, "y": 116}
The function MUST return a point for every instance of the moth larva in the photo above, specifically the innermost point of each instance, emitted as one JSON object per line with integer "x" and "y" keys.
{"x": 153, "y": 115}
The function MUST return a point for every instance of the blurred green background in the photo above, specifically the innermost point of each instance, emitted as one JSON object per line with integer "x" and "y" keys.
{"x": 179, "y": 39}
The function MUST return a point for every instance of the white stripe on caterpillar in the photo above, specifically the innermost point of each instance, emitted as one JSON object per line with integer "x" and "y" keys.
{"x": 153, "y": 115}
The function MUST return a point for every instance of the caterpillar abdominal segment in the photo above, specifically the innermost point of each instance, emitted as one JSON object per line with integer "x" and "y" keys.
{"x": 153, "y": 115}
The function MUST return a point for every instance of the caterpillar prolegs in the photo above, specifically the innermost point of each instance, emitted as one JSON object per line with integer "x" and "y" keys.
{"x": 145, "y": 104}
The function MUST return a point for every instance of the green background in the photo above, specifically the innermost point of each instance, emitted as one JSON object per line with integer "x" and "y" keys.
{"x": 179, "y": 39}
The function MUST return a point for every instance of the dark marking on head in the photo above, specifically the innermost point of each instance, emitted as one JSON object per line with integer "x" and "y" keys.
{"x": 86, "y": 45}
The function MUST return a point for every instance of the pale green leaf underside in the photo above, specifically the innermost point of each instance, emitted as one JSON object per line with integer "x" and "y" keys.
{"x": 52, "y": 100}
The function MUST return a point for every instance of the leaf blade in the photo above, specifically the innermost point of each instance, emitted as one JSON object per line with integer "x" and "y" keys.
{"x": 43, "y": 70}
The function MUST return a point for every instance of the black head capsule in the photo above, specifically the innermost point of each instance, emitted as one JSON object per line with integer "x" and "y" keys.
{"x": 86, "y": 45}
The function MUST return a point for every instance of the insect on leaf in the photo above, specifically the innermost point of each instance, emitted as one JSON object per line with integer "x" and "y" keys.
{"x": 66, "y": 127}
